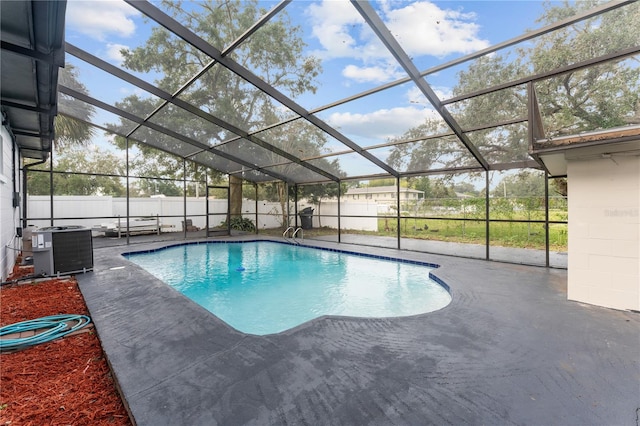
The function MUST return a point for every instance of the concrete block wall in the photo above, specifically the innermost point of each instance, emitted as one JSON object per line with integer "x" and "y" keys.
{"x": 604, "y": 231}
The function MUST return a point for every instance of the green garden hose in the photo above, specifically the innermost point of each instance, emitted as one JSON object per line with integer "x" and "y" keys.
{"x": 51, "y": 328}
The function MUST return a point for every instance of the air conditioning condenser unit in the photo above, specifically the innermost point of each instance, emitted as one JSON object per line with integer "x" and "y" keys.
{"x": 62, "y": 250}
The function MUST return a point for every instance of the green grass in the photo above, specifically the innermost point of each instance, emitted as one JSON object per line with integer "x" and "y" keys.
{"x": 504, "y": 234}
{"x": 443, "y": 225}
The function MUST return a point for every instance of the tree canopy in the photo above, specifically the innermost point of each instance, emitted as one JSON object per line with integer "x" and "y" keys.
{"x": 598, "y": 97}
{"x": 106, "y": 178}
{"x": 69, "y": 131}
{"x": 526, "y": 183}
{"x": 434, "y": 187}
{"x": 218, "y": 91}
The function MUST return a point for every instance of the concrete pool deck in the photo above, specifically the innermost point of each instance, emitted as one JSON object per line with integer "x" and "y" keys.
{"x": 509, "y": 349}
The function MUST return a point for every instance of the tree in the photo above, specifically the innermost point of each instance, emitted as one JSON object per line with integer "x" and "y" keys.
{"x": 441, "y": 189}
{"x": 422, "y": 183}
{"x": 316, "y": 193}
{"x": 169, "y": 171}
{"x": 598, "y": 97}
{"x": 465, "y": 188}
{"x": 76, "y": 157}
{"x": 273, "y": 53}
{"x": 525, "y": 183}
{"x": 382, "y": 182}
{"x": 69, "y": 131}
{"x": 300, "y": 137}
{"x": 434, "y": 187}
{"x": 570, "y": 103}
{"x": 70, "y": 135}
{"x": 560, "y": 186}
{"x": 523, "y": 191}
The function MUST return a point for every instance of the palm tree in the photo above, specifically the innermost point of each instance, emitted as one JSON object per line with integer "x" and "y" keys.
{"x": 68, "y": 130}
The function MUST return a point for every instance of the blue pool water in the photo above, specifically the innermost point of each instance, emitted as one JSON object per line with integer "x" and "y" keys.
{"x": 267, "y": 287}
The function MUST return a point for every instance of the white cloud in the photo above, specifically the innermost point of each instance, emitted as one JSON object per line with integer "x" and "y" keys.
{"x": 380, "y": 124}
{"x": 333, "y": 24}
{"x": 423, "y": 28}
{"x": 113, "y": 52}
{"x": 375, "y": 74}
{"x": 415, "y": 96}
{"x": 442, "y": 92}
{"x": 342, "y": 33}
{"x": 98, "y": 19}
{"x": 126, "y": 91}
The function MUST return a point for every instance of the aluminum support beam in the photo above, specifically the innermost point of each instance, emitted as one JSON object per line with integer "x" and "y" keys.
{"x": 168, "y": 132}
{"x": 181, "y": 31}
{"x": 549, "y": 74}
{"x": 122, "y": 135}
{"x": 487, "y": 215}
{"x": 123, "y": 75}
{"x": 128, "y": 190}
{"x": 398, "y": 220}
{"x": 546, "y": 219}
{"x": 508, "y": 43}
{"x": 383, "y": 33}
{"x": 255, "y": 27}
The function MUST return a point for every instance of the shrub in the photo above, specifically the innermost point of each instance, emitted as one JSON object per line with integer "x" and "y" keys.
{"x": 240, "y": 223}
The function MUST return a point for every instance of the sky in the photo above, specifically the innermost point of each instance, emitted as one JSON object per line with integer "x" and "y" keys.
{"x": 353, "y": 59}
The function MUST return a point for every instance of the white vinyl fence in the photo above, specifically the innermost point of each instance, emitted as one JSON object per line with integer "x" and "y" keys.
{"x": 91, "y": 211}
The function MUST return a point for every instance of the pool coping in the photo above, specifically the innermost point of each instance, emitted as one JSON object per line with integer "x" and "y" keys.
{"x": 176, "y": 363}
{"x": 432, "y": 276}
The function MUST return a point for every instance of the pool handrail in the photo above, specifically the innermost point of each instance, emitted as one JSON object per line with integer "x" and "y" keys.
{"x": 292, "y": 238}
{"x": 286, "y": 237}
{"x": 296, "y": 231}
{"x": 286, "y": 231}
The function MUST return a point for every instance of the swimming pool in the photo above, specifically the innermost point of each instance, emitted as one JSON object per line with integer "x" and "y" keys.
{"x": 263, "y": 287}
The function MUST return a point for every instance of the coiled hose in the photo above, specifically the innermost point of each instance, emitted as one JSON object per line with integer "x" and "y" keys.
{"x": 52, "y": 327}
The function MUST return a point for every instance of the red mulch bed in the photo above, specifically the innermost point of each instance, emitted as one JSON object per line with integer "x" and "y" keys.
{"x": 63, "y": 382}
